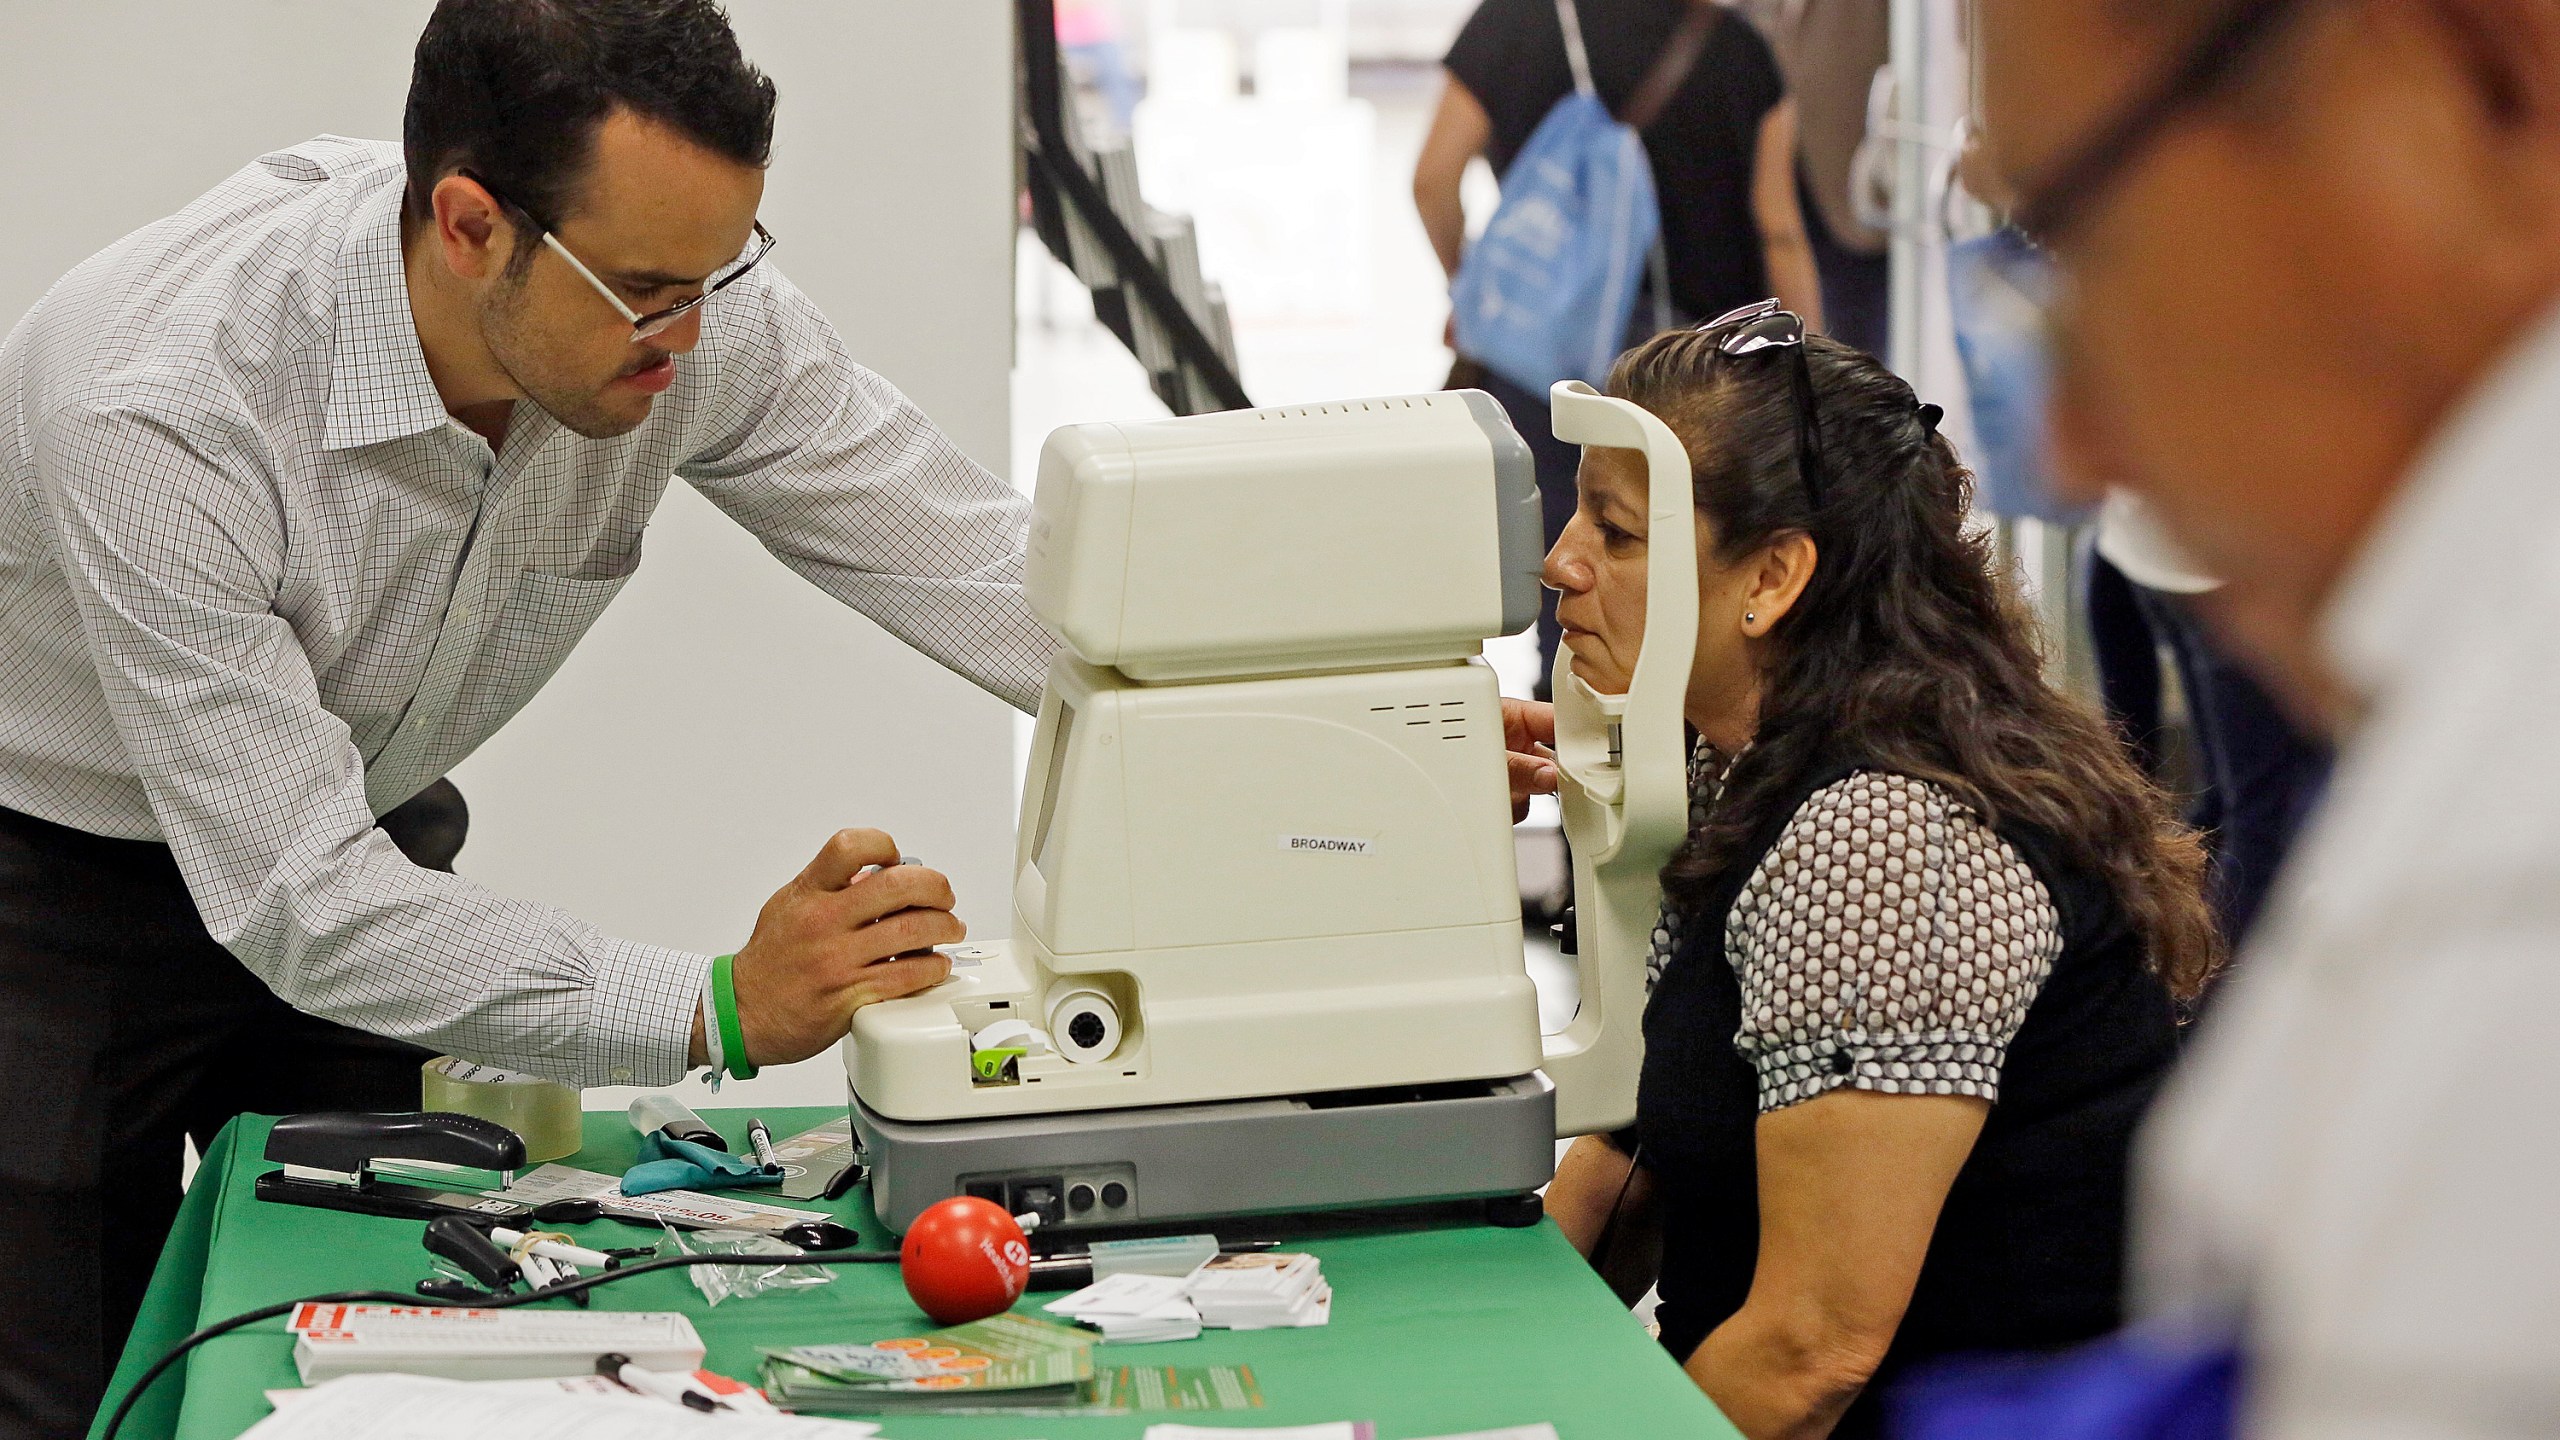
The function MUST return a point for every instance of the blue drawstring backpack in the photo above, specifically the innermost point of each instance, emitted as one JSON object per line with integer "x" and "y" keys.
{"x": 1546, "y": 293}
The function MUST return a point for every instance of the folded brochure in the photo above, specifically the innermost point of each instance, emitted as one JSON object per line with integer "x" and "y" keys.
{"x": 1015, "y": 1355}
{"x": 1010, "y": 1362}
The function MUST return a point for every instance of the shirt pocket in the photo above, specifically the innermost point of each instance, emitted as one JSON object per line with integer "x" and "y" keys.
{"x": 542, "y": 622}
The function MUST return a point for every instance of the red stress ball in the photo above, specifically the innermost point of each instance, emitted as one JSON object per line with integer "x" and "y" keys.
{"x": 964, "y": 1259}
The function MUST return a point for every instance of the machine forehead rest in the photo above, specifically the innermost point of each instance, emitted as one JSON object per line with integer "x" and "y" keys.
{"x": 1361, "y": 534}
{"x": 349, "y": 1140}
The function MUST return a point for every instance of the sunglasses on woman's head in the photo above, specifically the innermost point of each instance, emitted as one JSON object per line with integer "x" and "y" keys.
{"x": 1765, "y": 325}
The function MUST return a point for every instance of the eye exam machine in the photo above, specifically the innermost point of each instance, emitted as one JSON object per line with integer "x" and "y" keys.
{"x": 1266, "y": 950}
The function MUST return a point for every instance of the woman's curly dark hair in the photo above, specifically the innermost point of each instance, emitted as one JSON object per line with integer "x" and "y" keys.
{"x": 1908, "y": 649}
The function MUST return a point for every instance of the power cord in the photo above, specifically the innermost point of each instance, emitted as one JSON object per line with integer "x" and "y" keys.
{"x": 1608, "y": 1235}
{"x": 562, "y": 1290}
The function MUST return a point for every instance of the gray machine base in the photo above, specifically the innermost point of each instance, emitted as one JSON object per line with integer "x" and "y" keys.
{"x": 1179, "y": 1163}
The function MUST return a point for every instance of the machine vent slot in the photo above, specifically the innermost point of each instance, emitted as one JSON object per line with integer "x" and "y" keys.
{"x": 1304, "y": 412}
{"x": 1400, "y": 1094}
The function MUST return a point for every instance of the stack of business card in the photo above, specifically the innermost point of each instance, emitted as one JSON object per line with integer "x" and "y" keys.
{"x": 1260, "y": 1291}
{"x": 1133, "y": 1308}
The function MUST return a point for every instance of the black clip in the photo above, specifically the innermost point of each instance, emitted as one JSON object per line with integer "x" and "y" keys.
{"x": 470, "y": 1247}
{"x": 328, "y": 1160}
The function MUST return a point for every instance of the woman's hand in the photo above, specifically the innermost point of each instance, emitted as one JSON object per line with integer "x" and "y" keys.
{"x": 1529, "y": 734}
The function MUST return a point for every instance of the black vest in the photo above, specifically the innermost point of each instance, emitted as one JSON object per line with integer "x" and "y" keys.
{"x": 2029, "y": 1250}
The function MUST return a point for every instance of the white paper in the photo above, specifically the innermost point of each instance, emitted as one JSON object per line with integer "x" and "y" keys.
{"x": 1335, "y": 1431}
{"x": 1338, "y": 1430}
{"x": 411, "y": 1407}
{"x": 1133, "y": 1309}
{"x": 556, "y": 1385}
{"x": 1121, "y": 1295}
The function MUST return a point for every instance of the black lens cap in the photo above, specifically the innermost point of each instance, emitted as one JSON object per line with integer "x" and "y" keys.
{"x": 571, "y": 1211}
{"x": 820, "y": 1235}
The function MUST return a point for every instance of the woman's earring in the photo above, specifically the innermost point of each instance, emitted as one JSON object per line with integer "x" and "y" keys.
{"x": 1749, "y": 619}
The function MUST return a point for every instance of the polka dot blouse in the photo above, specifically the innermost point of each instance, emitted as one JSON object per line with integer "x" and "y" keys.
{"x": 1889, "y": 941}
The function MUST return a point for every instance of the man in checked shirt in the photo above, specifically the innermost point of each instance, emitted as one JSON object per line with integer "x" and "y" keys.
{"x": 308, "y": 488}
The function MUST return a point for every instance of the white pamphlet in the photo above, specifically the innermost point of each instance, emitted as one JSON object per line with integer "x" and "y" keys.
{"x": 1335, "y": 1431}
{"x": 417, "y": 1407}
{"x": 1133, "y": 1308}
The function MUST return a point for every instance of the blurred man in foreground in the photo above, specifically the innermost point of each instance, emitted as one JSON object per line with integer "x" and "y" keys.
{"x": 2311, "y": 250}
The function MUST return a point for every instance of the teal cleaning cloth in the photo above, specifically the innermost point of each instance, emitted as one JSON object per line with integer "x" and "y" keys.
{"x": 682, "y": 1165}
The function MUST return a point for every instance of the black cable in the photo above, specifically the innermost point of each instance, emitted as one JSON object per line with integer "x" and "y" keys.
{"x": 496, "y": 1302}
{"x": 1608, "y": 1228}
{"x": 1054, "y": 161}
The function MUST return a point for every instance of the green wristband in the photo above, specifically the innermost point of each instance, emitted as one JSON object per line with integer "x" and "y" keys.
{"x": 733, "y": 1038}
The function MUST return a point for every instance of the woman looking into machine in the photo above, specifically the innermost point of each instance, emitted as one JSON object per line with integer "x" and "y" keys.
{"x": 1920, "y": 954}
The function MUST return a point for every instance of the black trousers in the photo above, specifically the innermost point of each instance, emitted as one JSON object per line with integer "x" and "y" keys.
{"x": 126, "y": 1028}
{"x": 1857, "y": 290}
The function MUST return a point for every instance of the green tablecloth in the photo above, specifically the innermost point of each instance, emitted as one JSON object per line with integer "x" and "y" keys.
{"x": 1434, "y": 1332}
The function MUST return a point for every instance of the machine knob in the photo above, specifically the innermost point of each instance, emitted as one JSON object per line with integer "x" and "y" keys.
{"x": 1086, "y": 1030}
{"x": 1080, "y": 1197}
{"x": 1115, "y": 1194}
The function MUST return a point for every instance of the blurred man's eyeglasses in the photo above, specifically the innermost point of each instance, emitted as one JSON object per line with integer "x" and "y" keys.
{"x": 2053, "y": 207}
{"x": 1765, "y": 325}
{"x": 2014, "y": 275}
{"x": 656, "y": 322}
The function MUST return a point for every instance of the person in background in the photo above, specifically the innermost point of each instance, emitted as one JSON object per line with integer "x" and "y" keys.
{"x": 1723, "y": 155}
{"x": 2258, "y": 206}
{"x": 1089, "y": 35}
{"x": 1830, "y": 51}
{"x": 2258, "y": 776}
{"x": 1919, "y": 953}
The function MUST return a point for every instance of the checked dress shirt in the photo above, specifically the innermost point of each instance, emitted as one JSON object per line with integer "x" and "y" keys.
{"x": 257, "y": 588}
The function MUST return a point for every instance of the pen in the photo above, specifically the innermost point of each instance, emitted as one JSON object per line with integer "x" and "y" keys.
{"x": 1073, "y": 1269}
{"x": 762, "y": 1139}
{"x": 674, "y": 1389}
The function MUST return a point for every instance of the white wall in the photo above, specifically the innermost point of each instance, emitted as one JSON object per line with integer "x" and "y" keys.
{"x": 724, "y": 717}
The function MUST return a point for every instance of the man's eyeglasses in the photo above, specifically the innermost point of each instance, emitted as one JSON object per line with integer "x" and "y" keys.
{"x": 1763, "y": 325}
{"x": 2055, "y": 205}
{"x": 656, "y": 322}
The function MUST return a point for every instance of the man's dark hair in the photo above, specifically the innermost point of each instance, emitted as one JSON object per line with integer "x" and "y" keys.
{"x": 514, "y": 90}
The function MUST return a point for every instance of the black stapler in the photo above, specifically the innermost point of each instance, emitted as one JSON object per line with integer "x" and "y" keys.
{"x": 328, "y": 1160}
